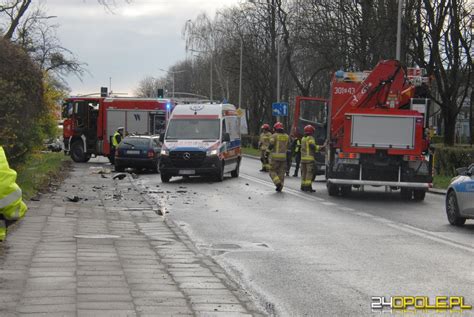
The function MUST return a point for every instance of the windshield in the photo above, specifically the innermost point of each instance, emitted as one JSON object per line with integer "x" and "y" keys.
{"x": 313, "y": 111}
{"x": 136, "y": 141}
{"x": 193, "y": 129}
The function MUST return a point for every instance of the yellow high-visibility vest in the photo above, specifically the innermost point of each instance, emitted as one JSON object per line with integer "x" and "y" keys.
{"x": 12, "y": 206}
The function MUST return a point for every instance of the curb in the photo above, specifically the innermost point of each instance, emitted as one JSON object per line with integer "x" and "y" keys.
{"x": 243, "y": 297}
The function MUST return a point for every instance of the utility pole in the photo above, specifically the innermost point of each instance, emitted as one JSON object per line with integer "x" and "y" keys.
{"x": 399, "y": 30}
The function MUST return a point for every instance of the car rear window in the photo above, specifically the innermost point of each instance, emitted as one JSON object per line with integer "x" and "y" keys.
{"x": 136, "y": 141}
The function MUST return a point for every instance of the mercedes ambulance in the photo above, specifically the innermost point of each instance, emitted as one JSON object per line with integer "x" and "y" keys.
{"x": 201, "y": 139}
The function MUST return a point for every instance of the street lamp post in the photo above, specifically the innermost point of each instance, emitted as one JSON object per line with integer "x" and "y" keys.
{"x": 240, "y": 71}
{"x": 399, "y": 31}
{"x": 173, "y": 73}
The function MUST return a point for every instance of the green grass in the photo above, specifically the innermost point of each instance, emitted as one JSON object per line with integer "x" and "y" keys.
{"x": 441, "y": 182}
{"x": 251, "y": 151}
{"x": 38, "y": 170}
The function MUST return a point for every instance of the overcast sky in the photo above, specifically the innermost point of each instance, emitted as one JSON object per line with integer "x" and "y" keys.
{"x": 134, "y": 42}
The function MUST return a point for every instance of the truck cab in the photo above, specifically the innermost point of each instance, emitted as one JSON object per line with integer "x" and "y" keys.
{"x": 201, "y": 139}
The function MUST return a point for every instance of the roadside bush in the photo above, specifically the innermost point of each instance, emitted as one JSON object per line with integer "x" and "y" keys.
{"x": 23, "y": 113}
{"x": 447, "y": 159}
{"x": 250, "y": 141}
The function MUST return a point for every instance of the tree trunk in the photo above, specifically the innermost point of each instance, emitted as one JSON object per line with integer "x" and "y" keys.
{"x": 449, "y": 128}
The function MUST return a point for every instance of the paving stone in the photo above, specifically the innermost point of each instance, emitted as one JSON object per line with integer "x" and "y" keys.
{"x": 105, "y": 313}
{"x": 104, "y": 298}
{"x": 219, "y": 308}
{"x": 48, "y": 300}
{"x": 106, "y": 305}
{"x": 47, "y": 308}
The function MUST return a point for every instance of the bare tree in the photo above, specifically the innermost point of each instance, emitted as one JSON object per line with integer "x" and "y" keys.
{"x": 442, "y": 43}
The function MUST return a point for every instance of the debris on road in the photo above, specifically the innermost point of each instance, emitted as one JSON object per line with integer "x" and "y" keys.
{"x": 100, "y": 170}
{"x": 74, "y": 199}
{"x": 119, "y": 176}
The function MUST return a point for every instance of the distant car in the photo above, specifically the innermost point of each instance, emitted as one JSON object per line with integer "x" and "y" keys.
{"x": 139, "y": 152}
{"x": 460, "y": 197}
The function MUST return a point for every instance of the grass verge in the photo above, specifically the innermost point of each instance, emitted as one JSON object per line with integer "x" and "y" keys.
{"x": 38, "y": 171}
{"x": 251, "y": 151}
{"x": 441, "y": 182}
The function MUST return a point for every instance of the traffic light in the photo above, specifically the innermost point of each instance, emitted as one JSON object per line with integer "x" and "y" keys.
{"x": 161, "y": 92}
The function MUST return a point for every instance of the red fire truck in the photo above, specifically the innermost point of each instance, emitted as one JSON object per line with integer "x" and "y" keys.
{"x": 377, "y": 131}
{"x": 89, "y": 123}
{"x": 313, "y": 111}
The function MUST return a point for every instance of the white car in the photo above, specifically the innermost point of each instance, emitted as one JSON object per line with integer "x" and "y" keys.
{"x": 460, "y": 197}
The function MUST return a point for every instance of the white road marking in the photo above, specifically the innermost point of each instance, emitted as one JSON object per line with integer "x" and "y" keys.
{"x": 393, "y": 224}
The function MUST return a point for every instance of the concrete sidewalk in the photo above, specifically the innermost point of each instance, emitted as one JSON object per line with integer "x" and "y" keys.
{"x": 109, "y": 254}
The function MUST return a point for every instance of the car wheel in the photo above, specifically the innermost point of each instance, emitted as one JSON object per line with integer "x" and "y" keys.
{"x": 452, "y": 209}
{"x": 235, "y": 173}
{"x": 119, "y": 168}
{"x": 346, "y": 190}
{"x": 165, "y": 178}
{"x": 419, "y": 194}
{"x": 77, "y": 153}
{"x": 220, "y": 172}
{"x": 333, "y": 189}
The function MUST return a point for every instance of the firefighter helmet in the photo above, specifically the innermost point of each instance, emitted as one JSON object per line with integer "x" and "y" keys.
{"x": 309, "y": 129}
{"x": 265, "y": 126}
{"x": 278, "y": 126}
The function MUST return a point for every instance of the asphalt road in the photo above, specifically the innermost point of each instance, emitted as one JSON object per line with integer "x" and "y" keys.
{"x": 304, "y": 254}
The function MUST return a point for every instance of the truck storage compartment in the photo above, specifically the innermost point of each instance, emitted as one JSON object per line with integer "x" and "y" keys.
{"x": 383, "y": 131}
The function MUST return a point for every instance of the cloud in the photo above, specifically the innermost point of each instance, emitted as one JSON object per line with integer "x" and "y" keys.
{"x": 132, "y": 42}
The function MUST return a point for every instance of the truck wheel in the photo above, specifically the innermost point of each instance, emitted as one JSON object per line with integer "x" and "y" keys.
{"x": 165, "y": 178}
{"x": 452, "y": 210}
{"x": 333, "y": 189}
{"x": 235, "y": 173}
{"x": 419, "y": 194}
{"x": 77, "y": 153}
{"x": 346, "y": 190}
{"x": 220, "y": 173}
{"x": 406, "y": 193}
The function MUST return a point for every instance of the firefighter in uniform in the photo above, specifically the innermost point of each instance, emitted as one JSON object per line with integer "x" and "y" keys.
{"x": 308, "y": 150}
{"x": 116, "y": 139}
{"x": 12, "y": 206}
{"x": 296, "y": 149}
{"x": 278, "y": 147}
{"x": 263, "y": 144}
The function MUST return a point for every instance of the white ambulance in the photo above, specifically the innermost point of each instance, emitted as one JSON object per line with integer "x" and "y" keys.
{"x": 201, "y": 139}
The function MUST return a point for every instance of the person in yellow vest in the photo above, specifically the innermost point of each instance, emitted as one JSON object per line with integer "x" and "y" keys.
{"x": 279, "y": 143}
{"x": 12, "y": 206}
{"x": 263, "y": 144}
{"x": 308, "y": 150}
{"x": 116, "y": 139}
{"x": 296, "y": 151}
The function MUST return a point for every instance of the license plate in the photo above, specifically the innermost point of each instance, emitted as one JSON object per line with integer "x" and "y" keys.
{"x": 133, "y": 152}
{"x": 187, "y": 172}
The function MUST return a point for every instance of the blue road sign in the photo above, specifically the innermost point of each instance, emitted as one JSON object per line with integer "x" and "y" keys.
{"x": 280, "y": 109}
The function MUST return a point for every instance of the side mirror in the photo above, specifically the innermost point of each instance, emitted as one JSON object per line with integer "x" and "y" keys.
{"x": 462, "y": 171}
{"x": 162, "y": 137}
{"x": 226, "y": 137}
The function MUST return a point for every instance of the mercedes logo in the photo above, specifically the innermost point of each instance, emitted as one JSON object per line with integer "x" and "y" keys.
{"x": 186, "y": 156}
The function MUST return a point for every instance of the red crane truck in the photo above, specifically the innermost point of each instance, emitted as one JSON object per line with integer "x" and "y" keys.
{"x": 377, "y": 131}
{"x": 89, "y": 123}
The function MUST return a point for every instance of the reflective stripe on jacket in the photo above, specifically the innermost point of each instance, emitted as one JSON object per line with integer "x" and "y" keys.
{"x": 12, "y": 206}
{"x": 308, "y": 148}
{"x": 264, "y": 140}
{"x": 280, "y": 146}
{"x": 116, "y": 139}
